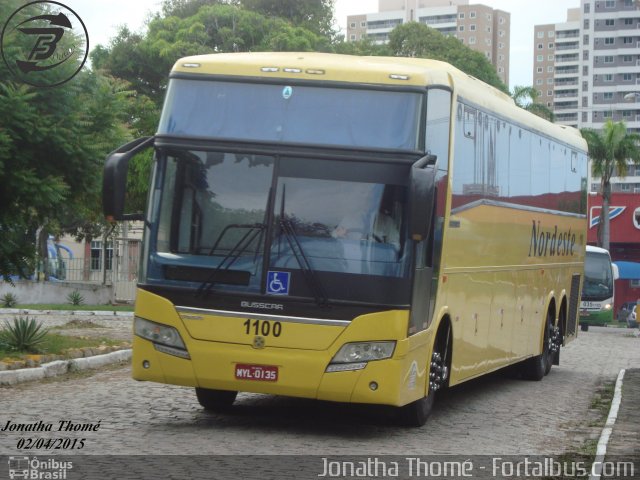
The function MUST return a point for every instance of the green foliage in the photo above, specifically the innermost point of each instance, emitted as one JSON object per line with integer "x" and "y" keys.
{"x": 24, "y": 335}
{"x": 75, "y": 298}
{"x": 415, "y": 39}
{"x": 9, "y": 300}
{"x": 609, "y": 151}
{"x": 53, "y": 142}
{"x": 525, "y": 97}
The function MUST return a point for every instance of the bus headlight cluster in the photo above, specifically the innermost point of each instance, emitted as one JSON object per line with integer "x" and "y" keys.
{"x": 354, "y": 356}
{"x": 166, "y": 339}
{"x": 607, "y": 306}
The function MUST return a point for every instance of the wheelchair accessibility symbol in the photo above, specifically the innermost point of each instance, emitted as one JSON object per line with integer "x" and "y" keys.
{"x": 278, "y": 283}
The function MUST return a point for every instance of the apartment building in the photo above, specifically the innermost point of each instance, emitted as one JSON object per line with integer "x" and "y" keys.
{"x": 480, "y": 27}
{"x": 556, "y": 67}
{"x": 588, "y": 70}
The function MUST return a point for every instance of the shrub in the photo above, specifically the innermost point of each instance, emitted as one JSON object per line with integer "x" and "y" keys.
{"x": 75, "y": 298}
{"x": 9, "y": 300}
{"x": 24, "y": 335}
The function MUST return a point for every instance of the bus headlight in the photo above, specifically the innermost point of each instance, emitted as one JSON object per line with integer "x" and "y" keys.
{"x": 165, "y": 338}
{"x": 354, "y": 356}
{"x": 607, "y": 307}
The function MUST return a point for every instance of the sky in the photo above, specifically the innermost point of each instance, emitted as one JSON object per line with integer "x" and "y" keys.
{"x": 102, "y": 19}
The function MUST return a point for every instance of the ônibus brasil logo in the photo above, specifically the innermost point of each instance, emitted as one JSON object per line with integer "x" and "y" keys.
{"x": 44, "y": 43}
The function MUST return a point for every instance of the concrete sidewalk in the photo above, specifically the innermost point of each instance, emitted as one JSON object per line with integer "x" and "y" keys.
{"x": 620, "y": 438}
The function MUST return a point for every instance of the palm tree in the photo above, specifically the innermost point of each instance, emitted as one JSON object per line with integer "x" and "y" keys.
{"x": 609, "y": 150}
{"x": 525, "y": 97}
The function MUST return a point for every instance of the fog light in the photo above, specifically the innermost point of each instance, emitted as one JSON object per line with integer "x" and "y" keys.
{"x": 146, "y": 364}
{"x": 373, "y": 386}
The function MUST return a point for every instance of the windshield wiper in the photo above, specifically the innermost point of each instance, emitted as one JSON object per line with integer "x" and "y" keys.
{"x": 254, "y": 231}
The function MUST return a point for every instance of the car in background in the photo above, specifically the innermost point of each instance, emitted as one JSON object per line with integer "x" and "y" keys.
{"x": 632, "y": 321}
{"x": 624, "y": 311}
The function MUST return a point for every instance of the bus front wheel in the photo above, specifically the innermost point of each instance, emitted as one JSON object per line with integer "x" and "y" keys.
{"x": 215, "y": 400}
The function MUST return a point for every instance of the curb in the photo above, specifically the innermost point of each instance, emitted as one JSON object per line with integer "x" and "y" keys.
{"x": 61, "y": 367}
{"x": 601, "y": 450}
{"x": 104, "y": 313}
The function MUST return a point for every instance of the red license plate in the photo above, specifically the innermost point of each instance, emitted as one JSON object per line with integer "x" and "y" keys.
{"x": 263, "y": 373}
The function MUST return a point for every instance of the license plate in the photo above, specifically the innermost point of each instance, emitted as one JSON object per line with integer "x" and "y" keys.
{"x": 263, "y": 373}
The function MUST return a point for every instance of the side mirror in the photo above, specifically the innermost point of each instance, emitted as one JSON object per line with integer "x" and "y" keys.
{"x": 616, "y": 271}
{"x": 422, "y": 185}
{"x": 114, "y": 182}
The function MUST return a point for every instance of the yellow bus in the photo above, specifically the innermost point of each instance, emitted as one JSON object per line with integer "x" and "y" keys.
{"x": 351, "y": 229}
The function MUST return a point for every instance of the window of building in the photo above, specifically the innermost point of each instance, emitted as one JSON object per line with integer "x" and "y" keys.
{"x": 540, "y": 34}
{"x": 628, "y": 21}
{"x": 550, "y": 81}
{"x": 501, "y": 33}
{"x": 363, "y": 24}
{"x": 461, "y": 16}
{"x": 627, "y": 58}
{"x": 609, "y": 22}
{"x": 96, "y": 255}
{"x": 352, "y": 37}
{"x": 472, "y": 14}
{"x": 551, "y": 57}
{"x": 549, "y": 93}
{"x": 585, "y": 24}
{"x": 550, "y": 69}
{"x": 610, "y": 4}
{"x": 587, "y": 8}
{"x": 608, "y": 77}
{"x": 487, "y": 41}
{"x": 539, "y": 81}
{"x": 500, "y": 69}
{"x": 472, "y": 40}
{"x": 488, "y": 29}
{"x": 607, "y": 96}
{"x": 540, "y": 58}
{"x": 500, "y": 45}
{"x": 500, "y": 57}
{"x": 461, "y": 28}
{"x": 539, "y": 70}
{"x": 627, "y": 77}
{"x": 627, "y": 40}
{"x": 540, "y": 46}
{"x": 472, "y": 27}
{"x": 609, "y": 41}
{"x": 501, "y": 20}
{"x": 608, "y": 59}
{"x": 551, "y": 45}
{"x": 489, "y": 17}
{"x": 607, "y": 114}
{"x": 551, "y": 34}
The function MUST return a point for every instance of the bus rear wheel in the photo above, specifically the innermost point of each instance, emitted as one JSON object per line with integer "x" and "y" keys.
{"x": 215, "y": 400}
{"x": 537, "y": 367}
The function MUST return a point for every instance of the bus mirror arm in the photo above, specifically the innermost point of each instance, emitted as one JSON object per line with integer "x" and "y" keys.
{"x": 114, "y": 183}
{"x": 422, "y": 195}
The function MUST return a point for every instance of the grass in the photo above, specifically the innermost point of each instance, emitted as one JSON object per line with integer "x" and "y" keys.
{"x": 55, "y": 344}
{"x": 66, "y": 306}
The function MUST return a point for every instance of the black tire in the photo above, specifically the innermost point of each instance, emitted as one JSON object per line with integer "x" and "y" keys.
{"x": 537, "y": 367}
{"x": 415, "y": 414}
{"x": 215, "y": 400}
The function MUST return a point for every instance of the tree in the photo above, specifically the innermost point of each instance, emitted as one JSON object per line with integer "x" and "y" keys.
{"x": 610, "y": 149}
{"x": 313, "y": 15}
{"x": 415, "y": 39}
{"x": 525, "y": 97}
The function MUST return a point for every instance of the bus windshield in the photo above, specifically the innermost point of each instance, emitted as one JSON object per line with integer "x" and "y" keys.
{"x": 264, "y": 112}
{"x": 334, "y": 233}
{"x": 598, "y": 277}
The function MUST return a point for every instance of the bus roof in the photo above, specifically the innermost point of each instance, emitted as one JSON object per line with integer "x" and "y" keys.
{"x": 396, "y": 71}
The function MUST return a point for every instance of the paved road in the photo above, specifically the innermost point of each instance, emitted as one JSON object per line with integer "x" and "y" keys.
{"x": 494, "y": 415}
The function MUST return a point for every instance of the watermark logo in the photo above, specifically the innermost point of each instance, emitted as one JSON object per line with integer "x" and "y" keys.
{"x": 44, "y": 43}
{"x": 51, "y": 468}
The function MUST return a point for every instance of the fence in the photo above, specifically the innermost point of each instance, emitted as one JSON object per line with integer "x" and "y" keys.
{"x": 120, "y": 270}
